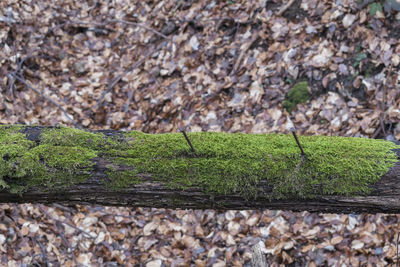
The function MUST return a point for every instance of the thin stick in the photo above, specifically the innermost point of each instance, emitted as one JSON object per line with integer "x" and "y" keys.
{"x": 293, "y": 130}
{"x": 41, "y": 207}
{"x": 283, "y": 9}
{"x": 22, "y": 80}
{"x": 384, "y": 100}
{"x": 43, "y": 250}
{"x": 107, "y": 22}
{"x": 241, "y": 55}
{"x": 397, "y": 249}
{"x": 119, "y": 77}
{"x": 140, "y": 25}
{"x": 187, "y": 139}
{"x": 60, "y": 233}
{"x": 136, "y": 65}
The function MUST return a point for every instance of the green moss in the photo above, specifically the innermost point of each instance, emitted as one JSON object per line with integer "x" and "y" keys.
{"x": 298, "y": 94}
{"x": 62, "y": 136}
{"x": 118, "y": 180}
{"x": 64, "y": 165}
{"x": 228, "y": 163}
{"x": 51, "y": 162}
{"x": 223, "y": 164}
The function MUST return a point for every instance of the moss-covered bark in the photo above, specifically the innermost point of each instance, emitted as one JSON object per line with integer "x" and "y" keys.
{"x": 250, "y": 166}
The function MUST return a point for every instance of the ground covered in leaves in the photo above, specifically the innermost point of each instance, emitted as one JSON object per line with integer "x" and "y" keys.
{"x": 105, "y": 236}
{"x": 325, "y": 67}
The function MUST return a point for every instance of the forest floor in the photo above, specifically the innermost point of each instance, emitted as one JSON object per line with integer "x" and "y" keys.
{"x": 324, "y": 67}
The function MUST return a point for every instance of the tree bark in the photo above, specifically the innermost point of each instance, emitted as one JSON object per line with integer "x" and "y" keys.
{"x": 384, "y": 197}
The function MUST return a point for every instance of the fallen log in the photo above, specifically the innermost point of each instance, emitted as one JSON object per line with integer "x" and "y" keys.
{"x": 218, "y": 170}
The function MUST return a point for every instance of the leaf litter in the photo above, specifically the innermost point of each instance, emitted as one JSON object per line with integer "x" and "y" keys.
{"x": 209, "y": 66}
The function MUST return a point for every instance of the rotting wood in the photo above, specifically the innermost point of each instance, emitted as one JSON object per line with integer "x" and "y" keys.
{"x": 151, "y": 192}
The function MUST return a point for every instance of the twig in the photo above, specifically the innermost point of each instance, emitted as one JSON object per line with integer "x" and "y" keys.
{"x": 382, "y": 125}
{"x": 293, "y": 130}
{"x": 57, "y": 224}
{"x": 140, "y": 25}
{"x": 237, "y": 31}
{"x": 241, "y": 55}
{"x": 5, "y": 106}
{"x": 44, "y": 254}
{"x": 22, "y": 80}
{"x": 383, "y": 108}
{"x": 383, "y": 103}
{"x": 397, "y": 249}
{"x": 17, "y": 71}
{"x": 285, "y": 7}
{"x": 377, "y": 132}
{"x": 187, "y": 139}
{"x": 296, "y": 183}
{"x": 70, "y": 225}
{"x": 137, "y": 64}
{"x": 119, "y": 77}
{"x": 219, "y": 20}
{"x": 64, "y": 208}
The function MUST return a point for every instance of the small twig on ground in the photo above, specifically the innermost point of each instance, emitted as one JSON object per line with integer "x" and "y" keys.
{"x": 64, "y": 208}
{"x": 102, "y": 24}
{"x": 137, "y": 64}
{"x": 242, "y": 53}
{"x": 382, "y": 108}
{"x": 70, "y": 225}
{"x": 60, "y": 233}
{"x": 119, "y": 77}
{"x": 237, "y": 31}
{"x": 11, "y": 79}
{"x": 5, "y": 106}
{"x": 384, "y": 100}
{"x": 377, "y": 132}
{"x": 22, "y": 80}
{"x": 397, "y": 250}
{"x": 140, "y": 25}
{"x": 285, "y": 7}
{"x": 43, "y": 250}
{"x": 383, "y": 104}
{"x": 382, "y": 124}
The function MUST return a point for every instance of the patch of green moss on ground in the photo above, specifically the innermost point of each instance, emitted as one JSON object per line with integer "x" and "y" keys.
{"x": 298, "y": 94}
{"x": 223, "y": 163}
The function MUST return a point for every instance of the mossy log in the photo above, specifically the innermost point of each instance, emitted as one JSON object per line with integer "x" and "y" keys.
{"x": 224, "y": 171}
